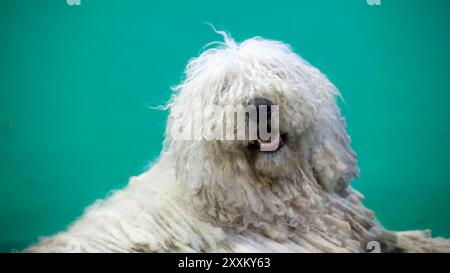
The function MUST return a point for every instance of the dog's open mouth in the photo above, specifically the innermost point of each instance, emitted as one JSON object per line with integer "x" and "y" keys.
{"x": 273, "y": 144}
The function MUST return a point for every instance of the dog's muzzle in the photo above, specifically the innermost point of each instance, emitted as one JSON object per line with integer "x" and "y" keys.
{"x": 265, "y": 143}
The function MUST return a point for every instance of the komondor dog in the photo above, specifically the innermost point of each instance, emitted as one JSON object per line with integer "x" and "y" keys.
{"x": 211, "y": 191}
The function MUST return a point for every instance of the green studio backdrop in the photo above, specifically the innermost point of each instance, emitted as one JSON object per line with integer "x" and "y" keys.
{"x": 77, "y": 83}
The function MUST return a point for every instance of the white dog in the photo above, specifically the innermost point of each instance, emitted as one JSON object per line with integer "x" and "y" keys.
{"x": 228, "y": 195}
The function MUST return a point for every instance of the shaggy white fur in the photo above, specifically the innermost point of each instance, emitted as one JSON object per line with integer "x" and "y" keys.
{"x": 218, "y": 196}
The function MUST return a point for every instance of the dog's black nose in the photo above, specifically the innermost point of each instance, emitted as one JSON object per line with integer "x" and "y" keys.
{"x": 259, "y": 101}
{"x": 263, "y": 112}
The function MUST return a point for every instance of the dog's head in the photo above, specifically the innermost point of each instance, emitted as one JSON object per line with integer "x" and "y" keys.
{"x": 269, "y": 86}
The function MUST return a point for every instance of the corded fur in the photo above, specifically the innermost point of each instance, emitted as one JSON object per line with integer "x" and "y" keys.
{"x": 216, "y": 196}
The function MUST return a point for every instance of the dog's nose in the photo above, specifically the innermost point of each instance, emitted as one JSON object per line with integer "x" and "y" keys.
{"x": 259, "y": 101}
{"x": 268, "y": 135}
{"x": 263, "y": 116}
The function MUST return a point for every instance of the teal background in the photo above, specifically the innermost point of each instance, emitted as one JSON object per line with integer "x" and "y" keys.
{"x": 76, "y": 83}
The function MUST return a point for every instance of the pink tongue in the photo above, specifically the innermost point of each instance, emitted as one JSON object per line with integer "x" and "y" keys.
{"x": 269, "y": 145}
